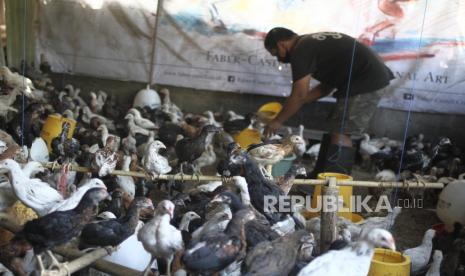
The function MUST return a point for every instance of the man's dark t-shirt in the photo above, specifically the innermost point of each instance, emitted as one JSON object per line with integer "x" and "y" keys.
{"x": 328, "y": 58}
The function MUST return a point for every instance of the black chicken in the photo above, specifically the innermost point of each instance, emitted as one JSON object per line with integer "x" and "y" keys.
{"x": 114, "y": 231}
{"x": 214, "y": 253}
{"x": 168, "y": 134}
{"x": 60, "y": 227}
{"x": 276, "y": 257}
{"x": 259, "y": 187}
{"x": 256, "y": 231}
{"x": 188, "y": 150}
{"x": 238, "y": 125}
{"x": 64, "y": 150}
{"x": 224, "y": 167}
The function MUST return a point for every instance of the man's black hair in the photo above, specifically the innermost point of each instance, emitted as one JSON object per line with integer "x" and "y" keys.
{"x": 277, "y": 34}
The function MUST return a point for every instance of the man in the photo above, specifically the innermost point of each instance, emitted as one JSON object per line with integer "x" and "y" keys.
{"x": 341, "y": 64}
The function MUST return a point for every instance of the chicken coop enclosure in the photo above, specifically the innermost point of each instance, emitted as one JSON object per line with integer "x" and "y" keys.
{"x": 232, "y": 137}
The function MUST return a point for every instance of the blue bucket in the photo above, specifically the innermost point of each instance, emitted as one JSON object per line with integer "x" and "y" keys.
{"x": 283, "y": 166}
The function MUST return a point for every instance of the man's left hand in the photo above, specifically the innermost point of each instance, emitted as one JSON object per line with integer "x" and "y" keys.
{"x": 271, "y": 128}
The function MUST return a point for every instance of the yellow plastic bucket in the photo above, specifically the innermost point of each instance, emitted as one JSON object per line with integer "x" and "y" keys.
{"x": 53, "y": 127}
{"x": 344, "y": 191}
{"x": 388, "y": 262}
{"x": 268, "y": 111}
{"x": 247, "y": 137}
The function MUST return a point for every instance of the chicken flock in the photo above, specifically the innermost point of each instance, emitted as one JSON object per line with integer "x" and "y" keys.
{"x": 213, "y": 228}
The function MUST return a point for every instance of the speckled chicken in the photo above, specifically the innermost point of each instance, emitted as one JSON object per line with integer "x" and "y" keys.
{"x": 105, "y": 159}
{"x": 155, "y": 163}
{"x": 189, "y": 149}
{"x": 272, "y": 152}
{"x": 215, "y": 253}
{"x": 114, "y": 231}
{"x": 60, "y": 227}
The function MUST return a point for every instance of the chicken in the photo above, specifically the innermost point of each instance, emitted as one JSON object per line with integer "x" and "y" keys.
{"x": 270, "y": 153}
{"x": 420, "y": 255}
{"x": 233, "y": 116}
{"x": 259, "y": 187}
{"x": 159, "y": 237}
{"x": 97, "y": 102}
{"x": 128, "y": 144}
{"x": 103, "y": 129}
{"x": 256, "y": 231}
{"x": 287, "y": 180}
{"x": 276, "y": 257}
{"x": 34, "y": 193}
{"x": 133, "y": 127}
{"x": 153, "y": 162}
{"x": 211, "y": 119}
{"x": 142, "y": 122}
{"x": 11, "y": 256}
{"x": 17, "y": 81}
{"x": 207, "y": 158}
{"x": 59, "y": 227}
{"x": 351, "y": 261}
{"x": 215, "y": 253}
{"x": 105, "y": 159}
{"x": 238, "y": 125}
{"x": 214, "y": 225}
{"x": 114, "y": 231}
{"x": 386, "y": 222}
{"x": 126, "y": 182}
{"x": 188, "y": 150}
{"x": 75, "y": 198}
{"x": 435, "y": 267}
{"x": 184, "y": 225}
{"x": 170, "y": 108}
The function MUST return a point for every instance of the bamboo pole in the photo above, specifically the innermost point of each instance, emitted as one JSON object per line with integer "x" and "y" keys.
{"x": 376, "y": 184}
{"x": 328, "y": 233}
{"x": 154, "y": 40}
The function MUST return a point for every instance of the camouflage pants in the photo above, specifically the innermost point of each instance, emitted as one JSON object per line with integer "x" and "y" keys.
{"x": 360, "y": 110}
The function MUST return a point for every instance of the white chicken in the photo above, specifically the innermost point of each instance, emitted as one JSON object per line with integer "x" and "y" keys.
{"x": 133, "y": 127}
{"x": 211, "y": 119}
{"x": 420, "y": 255}
{"x": 159, "y": 237}
{"x": 72, "y": 201}
{"x": 170, "y": 108}
{"x": 34, "y": 193}
{"x": 97, "y": 101}
{"x": 140, "y": 121}
{"x": 153, "y": 162}
{"x": 17, "y": 81}
{"x": 435, "y": 268}
{"x": 353, "y": 260}
{"x": 126, "y": 182}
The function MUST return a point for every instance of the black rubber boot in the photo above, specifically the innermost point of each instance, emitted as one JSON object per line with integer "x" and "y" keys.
{"x": 333, "y": 158}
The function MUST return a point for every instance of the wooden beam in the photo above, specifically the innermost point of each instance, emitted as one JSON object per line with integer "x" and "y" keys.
{"x": 328, "y": 231}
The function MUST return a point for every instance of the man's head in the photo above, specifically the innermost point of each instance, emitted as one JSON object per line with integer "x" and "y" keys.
{"x": 278, "y": 41}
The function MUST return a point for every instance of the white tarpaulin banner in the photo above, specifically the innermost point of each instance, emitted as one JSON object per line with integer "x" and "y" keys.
{"x": 218, "y": 44}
